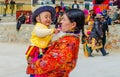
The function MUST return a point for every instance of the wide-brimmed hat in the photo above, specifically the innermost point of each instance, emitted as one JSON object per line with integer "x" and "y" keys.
{"x": 43, "y": 9}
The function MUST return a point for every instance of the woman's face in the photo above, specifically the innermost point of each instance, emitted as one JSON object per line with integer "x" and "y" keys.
{"x": 44, "y": 18}
{"x": 66, "y": 25}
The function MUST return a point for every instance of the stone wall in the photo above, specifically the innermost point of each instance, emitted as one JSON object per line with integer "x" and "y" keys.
{"x": 8, "y": 33}
{"x": 8, "y": 18}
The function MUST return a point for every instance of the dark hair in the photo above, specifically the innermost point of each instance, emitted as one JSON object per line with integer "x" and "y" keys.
{"x": 76, "y": 15}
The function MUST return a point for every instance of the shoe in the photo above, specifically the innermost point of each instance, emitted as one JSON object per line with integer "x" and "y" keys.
{"x": 105, "y": 54}
{"x": 91, "y": 56}
{"x": 97, "y": 50}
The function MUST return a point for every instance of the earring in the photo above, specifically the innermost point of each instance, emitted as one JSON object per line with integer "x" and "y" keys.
{"x": 73, "y": 30}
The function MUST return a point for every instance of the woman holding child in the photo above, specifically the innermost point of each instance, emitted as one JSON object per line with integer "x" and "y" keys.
{"x": 60, "y": 58}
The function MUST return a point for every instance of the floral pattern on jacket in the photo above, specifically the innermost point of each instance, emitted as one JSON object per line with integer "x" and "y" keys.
{"x": 60, "y": 58}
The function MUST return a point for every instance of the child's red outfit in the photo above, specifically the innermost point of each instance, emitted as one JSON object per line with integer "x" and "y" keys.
{"x": 40, "y": 39}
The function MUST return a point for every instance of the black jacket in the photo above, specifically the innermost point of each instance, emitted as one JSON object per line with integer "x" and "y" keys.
{"x": 104, "y": 27}
{"x": 96, "y": 30}
{"x": 22, "y": 19}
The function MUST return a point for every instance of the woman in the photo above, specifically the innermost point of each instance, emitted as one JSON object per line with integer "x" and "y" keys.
{"x": 61, "y": 57}
{"x": 6, "y": 3}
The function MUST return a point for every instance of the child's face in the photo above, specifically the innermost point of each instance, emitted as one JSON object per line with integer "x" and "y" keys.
{"x": 45, "y": 18}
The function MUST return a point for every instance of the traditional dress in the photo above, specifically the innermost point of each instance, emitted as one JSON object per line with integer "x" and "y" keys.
{"x": 60, "y": 58}
{"x": 40, "y": 39}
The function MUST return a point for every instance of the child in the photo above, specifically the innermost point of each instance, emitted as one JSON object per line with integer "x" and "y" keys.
{"x": 86, "y": 41}
{"x": 91, "y": 22}
{"x": 41, "y": 36}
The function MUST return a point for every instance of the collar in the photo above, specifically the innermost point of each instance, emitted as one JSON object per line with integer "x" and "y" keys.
{"x": 40, "y": 24}
{"x": 61, "y": 34}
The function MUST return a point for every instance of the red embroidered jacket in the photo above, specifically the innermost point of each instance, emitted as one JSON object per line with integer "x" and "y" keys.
{"x": 60, "y": 58}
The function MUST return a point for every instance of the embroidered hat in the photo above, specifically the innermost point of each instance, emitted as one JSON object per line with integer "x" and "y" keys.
{"x": 43, "y": 9}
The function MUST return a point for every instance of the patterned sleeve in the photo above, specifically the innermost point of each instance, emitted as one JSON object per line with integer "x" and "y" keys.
{"x": 62, "y": 55}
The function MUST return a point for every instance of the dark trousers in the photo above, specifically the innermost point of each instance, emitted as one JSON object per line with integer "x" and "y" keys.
{"x": 90, "y": 51}
{"x": 32, "y": 75}
{"x": 5, "y": 9}
{"x": 12, "y": 12}
{"x": 18, "y": 25}
{"x": 103, "y": 51}
{"x": 104, "y": 41}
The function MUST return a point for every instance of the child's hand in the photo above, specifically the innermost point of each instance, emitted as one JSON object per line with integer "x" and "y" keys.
{"x": 57, "y": 31}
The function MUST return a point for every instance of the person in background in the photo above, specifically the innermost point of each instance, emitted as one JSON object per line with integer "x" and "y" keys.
{"x": 61, "y": 56}
{"x": 28, "y": 18}
{"x": 106, "y": 16}
{"x": 12, "y": 6}
{"x": 117, "y": 3}
{"x": 6, "y": 3}
{"x": 58, "y": 24}
{"x": 91, "y": 14}
{"x": 75, "y": 5}
{"x": 61, "y": 3}
{"x": 105, "y": 30}
{"x": 86, "y": 40}
{"x": 97, "y": 35}
{"x": 20, "y": 20}
{"x": 86, "y": 12}
{"x": 116, "y": 17}
{"x": 90, "y": 23}
{"x": 53, "y": 1}
{"x": 34, "y": 2}
{"x": 57, "y": 9}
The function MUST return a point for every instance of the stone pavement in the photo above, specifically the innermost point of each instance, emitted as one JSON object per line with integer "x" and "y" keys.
{"x": 13, "y": 63}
